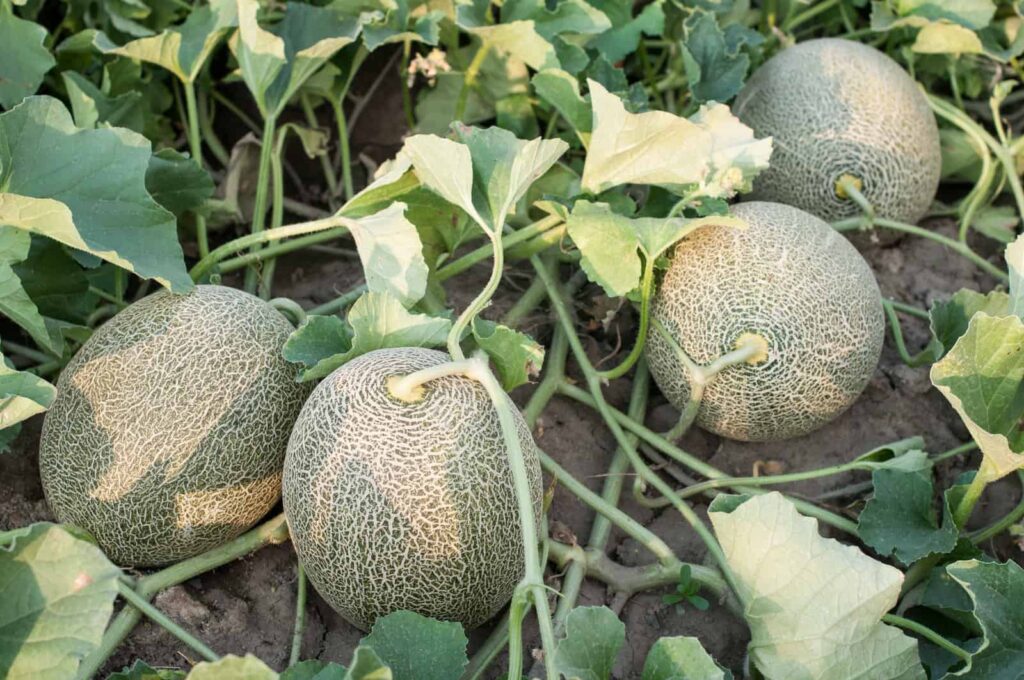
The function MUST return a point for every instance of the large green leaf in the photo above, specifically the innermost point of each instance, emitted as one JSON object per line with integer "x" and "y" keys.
{"x": 15, "y": 303}
{"x": 58, "y": 593}
{"x": 417, "y": 648}
{"x": 681, "y": 658}
{"x": 813, "y": 604}
{"x": 182, "y": 50}
{"x": 391, "y": 21}
{"x": 376, "y": 321}
{"x": 25, "y": 60}
{"x": 561, "y": 90}
{"x": 623, "y": 37}
{"x": 277, "y": 62}
{"x": 714, "y": 73}
{"x": 610, "y": 243}
{"x": 233, "y": 667}
{"x": 516, "y": 356}
{"x": 711, "y": 154}
{"x": 996, "y": 592}
{"x": 983, "y": 379}
{"x": 22, "y": 395}
{"x": 98, "y": 203}
{"x": 485, "y": 173}
{"x": 593, "y": 637}
{"x": 177, "y": 182}
{"x": 900, "y": 519}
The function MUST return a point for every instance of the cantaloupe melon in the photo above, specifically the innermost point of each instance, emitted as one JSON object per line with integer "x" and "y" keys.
{"x": 836, "y": 107}
{"x": 168, "y": 433}
{"x": 790, "y": 279}
{"x": 396, "y": 505}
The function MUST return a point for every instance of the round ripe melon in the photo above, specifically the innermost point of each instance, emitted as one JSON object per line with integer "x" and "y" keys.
{"x": 837, "y": 107}
{"x": 169, "y": 429}
{"x": 395, "y": 505}
{"x": 795, "y": 282}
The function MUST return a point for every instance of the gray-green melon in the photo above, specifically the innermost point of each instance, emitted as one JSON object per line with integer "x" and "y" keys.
{"x": 168, "y": 433}
{"x": 395, "y": 505}
{"x": 837, "y": 107}
{"x": 795, "y": 282}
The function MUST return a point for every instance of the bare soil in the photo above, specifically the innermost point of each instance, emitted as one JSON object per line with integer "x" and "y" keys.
{"x": 248, "y": 606}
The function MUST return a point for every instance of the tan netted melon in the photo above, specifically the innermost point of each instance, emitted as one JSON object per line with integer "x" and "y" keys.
{"x": 168, "y": 433}
{"x": 790, "y": 279}
{"x": 837, "y": 107}
{"x": 396, "y": 505}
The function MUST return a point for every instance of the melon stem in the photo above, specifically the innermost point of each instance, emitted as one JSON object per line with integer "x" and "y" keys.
{"x": 409, "y": 388}
{"x": 750, "y": 348}
{"x": 481, "y": 300}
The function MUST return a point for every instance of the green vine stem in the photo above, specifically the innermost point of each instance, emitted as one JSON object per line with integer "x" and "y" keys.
{"x": 965, "y": 507}
{"x": 600, "y": 530}
{"x": 607, "y": 510}
{"x": 1003, "y": 153}
{"x": 469, "y": 81}
{"x": 923, "y": 357}
{"x": 409, "y": 388}
{"x": 403, "y": 79}
{"x": 593, "y": 380}
{"x": 646, "y": 292}
{"x": 209, "y": 135}
{"x": 489, "y": 650}
{"x": 205, "y": 265}
{"x": 632, "y": 580}
{"x": 279, "y": 249}
{"x": 1005, "y": 522}
{"x": 276, "y": 209}
{"x": 928, "y": 634}
{"x": 290, "y": 308}
{"x": 698, "y": 465}
{"x": 855, "y": 223}
{"x": 481, "y": 300}
{"x": 161, "y": 619}
{"x": 325, "y": 163}
{"x": 271, "y": 532}
{"x": 338, "y": 107}
{"x": 300, "y": 616}
{"x": 196, "y": 147}
{"x": 259, "y": 213}
{"x": 508, "y": 240}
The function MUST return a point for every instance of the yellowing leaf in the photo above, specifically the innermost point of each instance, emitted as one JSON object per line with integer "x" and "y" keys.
{"x": 712, "y": 154}
{"x": 233, "y": 667}
{"x": 392, "y": 255}
{"x": 983, "y": 379}
{"x": 813, "y": 604}
{"x": 86, "y": 189}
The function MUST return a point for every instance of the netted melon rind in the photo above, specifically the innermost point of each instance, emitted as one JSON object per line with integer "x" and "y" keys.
{"x": 836, "y": 107}
{"x": 406, "y": 506}
{"x": 790, "y": 278}
{"x": 168, "y": 432}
